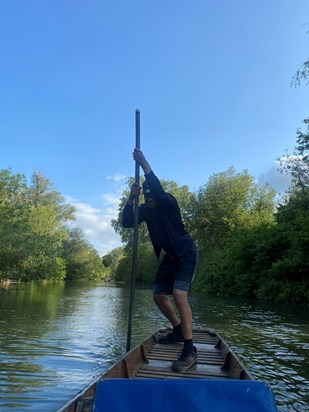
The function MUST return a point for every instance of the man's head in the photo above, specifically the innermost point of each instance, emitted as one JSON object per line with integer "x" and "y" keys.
{"x": 149, "y": 200}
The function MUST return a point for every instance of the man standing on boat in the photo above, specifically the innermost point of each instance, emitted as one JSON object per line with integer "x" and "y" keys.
{"x": 177, "y": 268}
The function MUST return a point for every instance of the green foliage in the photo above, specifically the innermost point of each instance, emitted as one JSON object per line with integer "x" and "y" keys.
{"x": 297, "y": 165}
{"x": 81, "y": 260}
{"x": 249, "y": 245}
{"x": 35, "y": 243}
{"x": 249, "y": 249}
{"x": 228, "y": 201}
{"x": 302, "y": 74}
{"x": 146, "y": 266}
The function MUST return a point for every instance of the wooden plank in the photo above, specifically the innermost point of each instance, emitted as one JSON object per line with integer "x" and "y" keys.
{"x": 163, "y": 369}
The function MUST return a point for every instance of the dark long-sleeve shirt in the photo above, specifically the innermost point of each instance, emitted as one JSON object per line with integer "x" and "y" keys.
{"x": 164, "y": 222}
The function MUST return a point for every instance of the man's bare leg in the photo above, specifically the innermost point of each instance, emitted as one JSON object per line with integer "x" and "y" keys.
{"x": 184, "y": 309}
{"x": 185, "y": 313}
{"x": 166, "y": 308}
{"x": 188, "y": 356}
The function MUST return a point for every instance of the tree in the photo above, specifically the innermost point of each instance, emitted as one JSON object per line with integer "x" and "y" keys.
{"x": 35, "y": 242}
{"x": 14, "y": 213}
{"x": 42, "y": 193}
{"x": 297, "y": 165}
{"x": 112, "y": 259}
{"x": 46, "y": 232}
{"x": 302, "y": 73}
{"x": 146, "y": 267}
{"x": 287, "y": 277}
{"x": 229, "y": 200}
{"x": 81, "y": 259}
{"x": 264, "y": 255}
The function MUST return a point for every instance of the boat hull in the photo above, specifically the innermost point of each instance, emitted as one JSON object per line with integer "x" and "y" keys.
{"x": 151, "y": 360}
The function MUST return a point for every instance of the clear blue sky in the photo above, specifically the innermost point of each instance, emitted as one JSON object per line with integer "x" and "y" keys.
{"x": 210, "y": 77}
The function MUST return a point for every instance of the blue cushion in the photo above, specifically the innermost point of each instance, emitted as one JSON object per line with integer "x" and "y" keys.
{"x": 190, "y": 395}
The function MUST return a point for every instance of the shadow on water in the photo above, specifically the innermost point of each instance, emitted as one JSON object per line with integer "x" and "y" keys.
{"x": 55, "y": 338}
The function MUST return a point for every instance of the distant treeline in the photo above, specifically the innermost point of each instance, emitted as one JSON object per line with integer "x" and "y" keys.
{"x": 250, "y": 243}
{"x": 36, "y": 241}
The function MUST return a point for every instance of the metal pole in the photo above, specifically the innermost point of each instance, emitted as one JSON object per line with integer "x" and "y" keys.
{"x": 135, "y": 235}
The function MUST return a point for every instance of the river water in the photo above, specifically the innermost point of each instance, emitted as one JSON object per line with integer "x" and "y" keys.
{"x": 55, "y": 338}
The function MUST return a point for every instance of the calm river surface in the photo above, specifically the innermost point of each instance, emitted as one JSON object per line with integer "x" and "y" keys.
{"x": 55, "y": 338}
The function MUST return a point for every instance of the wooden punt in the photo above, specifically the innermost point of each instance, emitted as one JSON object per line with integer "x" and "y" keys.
{"x": 215, "y": 360}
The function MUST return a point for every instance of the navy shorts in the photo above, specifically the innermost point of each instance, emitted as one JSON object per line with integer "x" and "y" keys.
{"x": 176, "y": 274}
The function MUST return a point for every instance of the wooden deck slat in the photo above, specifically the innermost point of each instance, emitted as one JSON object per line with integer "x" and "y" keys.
{"x": 199, "y": 372}
{"x": 198, "y": 369}
{"x": 206, "y": 354}
{"x": 201, "y": 359}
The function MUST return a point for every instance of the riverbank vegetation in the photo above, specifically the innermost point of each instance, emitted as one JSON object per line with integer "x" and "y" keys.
{"x": 36, "y": 240}
{"x": 250, "y": 242}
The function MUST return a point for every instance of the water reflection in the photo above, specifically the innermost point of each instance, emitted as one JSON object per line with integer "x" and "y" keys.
{"x": 56, "y": 338}
{"x": 272, "y": 343}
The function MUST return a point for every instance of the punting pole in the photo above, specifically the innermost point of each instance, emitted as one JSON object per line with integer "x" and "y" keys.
{"x": 135, "y": 235}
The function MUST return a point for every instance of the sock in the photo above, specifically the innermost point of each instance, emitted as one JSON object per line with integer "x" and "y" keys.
{"x": 178, "y": 330}
{"x": 188, "y": 344}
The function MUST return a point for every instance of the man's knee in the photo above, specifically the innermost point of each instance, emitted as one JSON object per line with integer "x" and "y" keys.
{"x": 159, "y": 298}
{"x": 180, "y": 296}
